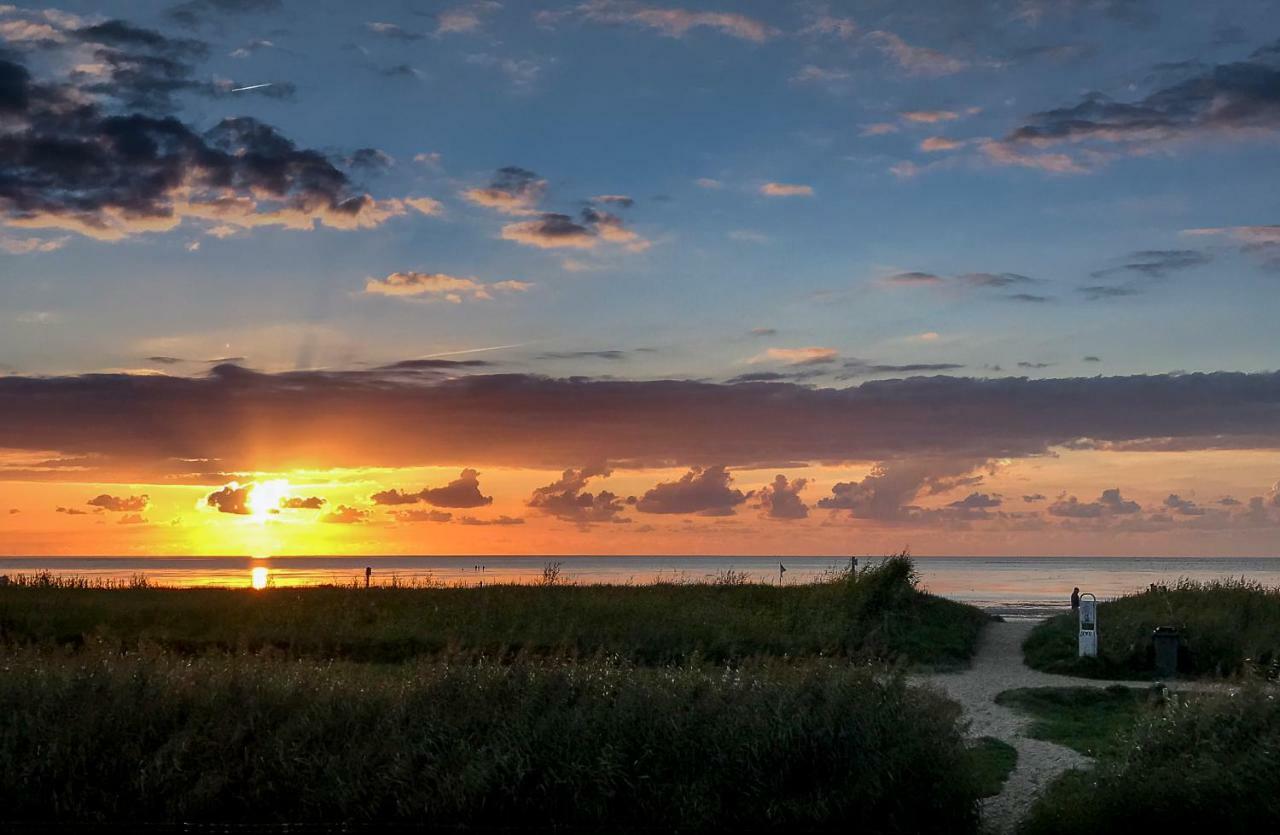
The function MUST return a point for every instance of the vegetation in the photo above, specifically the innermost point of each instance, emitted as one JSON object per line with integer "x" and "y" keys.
{"x": 1091, "y": 720}
{"x": 1228, "y": 628}
{"x": 991, "y": 762}
{"x": 149, "y": 737}
{"x": 876, "y": 613}
{"x": 1207, "y": 764}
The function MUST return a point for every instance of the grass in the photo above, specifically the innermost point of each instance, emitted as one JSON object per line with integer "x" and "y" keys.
{"x": 991, "y": 762}
{"x": 1089, "y": 720}
{"x": 152, "y": 738}
{"x": 1211, "y": 763}
{"x": 876, "y": 613}
{"x": 1229, "y": 628}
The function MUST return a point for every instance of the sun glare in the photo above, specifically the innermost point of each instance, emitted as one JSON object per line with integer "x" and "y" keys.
{"x": 258, "y": 577}
{"x": 265, "y": 497}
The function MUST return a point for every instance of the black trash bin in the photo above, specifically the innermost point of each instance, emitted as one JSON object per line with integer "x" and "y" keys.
{"x": 1166, "y": 640}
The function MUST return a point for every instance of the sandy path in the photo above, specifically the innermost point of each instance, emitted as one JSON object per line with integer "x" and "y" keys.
{"x": 996, "y": 667}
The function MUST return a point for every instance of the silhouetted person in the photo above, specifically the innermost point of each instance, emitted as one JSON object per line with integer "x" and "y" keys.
{"x": 1075, "y": 599}
{"x": 368, "y": 572}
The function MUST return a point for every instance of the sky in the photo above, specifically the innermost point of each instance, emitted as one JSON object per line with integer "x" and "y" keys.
{"x": 615, "y": 277}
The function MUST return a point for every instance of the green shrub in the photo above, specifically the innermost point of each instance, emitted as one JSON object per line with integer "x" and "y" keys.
{"x": 97, "y": 736}
{"x": 1228, "y": 628}
{"x": 1210, "y": 765}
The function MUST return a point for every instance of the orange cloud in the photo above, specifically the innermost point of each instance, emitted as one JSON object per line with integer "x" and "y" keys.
{"x": 786, "y": 190}
{"x": 452, "y": 289}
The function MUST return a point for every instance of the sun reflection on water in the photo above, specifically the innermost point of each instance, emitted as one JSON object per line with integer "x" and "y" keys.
{"x": 259, "y": 576}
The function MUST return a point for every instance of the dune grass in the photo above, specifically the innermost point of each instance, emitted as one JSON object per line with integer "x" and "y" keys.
{"x": 1205, "y": 763}
{"x": 991, "y": 762}
{"x": 1090, "y": 720}
{"x": 875, "y": 613}
{"x": 99, "y": 736}
{"x": 1228, "y": 627}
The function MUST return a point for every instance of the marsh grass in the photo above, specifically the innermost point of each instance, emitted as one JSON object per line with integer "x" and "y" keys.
{"x": 1209, "y": 763}
{"x": 991, "y": 762}
{"x": 1228, "y": 627}
{"x": 876, "y": 613}
{"x": 149, "y": 737}
{"x": 1091, "y": 720}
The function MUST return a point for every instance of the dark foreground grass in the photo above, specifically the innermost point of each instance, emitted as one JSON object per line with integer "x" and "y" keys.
{"x": 96, "y": 736}
{"x": 991, "y": 762}
{"x": 1090, "y": 720}
{"x": 1228, "y": 628}
{"x": 877, "y": 613}
{"x": 1211, "y": 764}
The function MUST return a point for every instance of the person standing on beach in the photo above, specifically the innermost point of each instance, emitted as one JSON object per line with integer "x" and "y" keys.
{"x": 1075, "y": 599}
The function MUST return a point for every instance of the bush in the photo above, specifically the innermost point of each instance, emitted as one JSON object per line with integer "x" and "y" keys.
{"x": 1228, "y": 628}
{"x": 152, "y": 738}
{"x": 1209, "y": 764}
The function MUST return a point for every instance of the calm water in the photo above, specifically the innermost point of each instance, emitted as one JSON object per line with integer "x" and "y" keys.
{"x": 1013, "y": 586}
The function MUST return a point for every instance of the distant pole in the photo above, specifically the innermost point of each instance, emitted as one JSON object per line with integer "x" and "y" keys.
{"x": 368, "y": 572}
{"x": 782, "y": 569}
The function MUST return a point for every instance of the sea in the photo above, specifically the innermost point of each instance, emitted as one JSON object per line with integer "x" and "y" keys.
{"x": 1017, "y": 588}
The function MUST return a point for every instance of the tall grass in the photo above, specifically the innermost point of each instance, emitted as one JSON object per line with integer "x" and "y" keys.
{"x": 875, "y": 613}
{"x": 1210, "y": 764}
{"x": 1228, "y": 628}
{"x": 99, "y": 736}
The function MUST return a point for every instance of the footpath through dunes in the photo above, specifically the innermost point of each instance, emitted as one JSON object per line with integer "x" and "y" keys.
{"x": 998, "y": 666}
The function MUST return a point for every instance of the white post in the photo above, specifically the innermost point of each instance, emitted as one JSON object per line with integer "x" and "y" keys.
{"x": 1088, "y": 626}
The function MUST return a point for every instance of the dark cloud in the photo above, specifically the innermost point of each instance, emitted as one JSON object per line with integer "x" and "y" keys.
{"x": 1235, "y": 99}
{"x": 345, "y": 515}
{"x": 71, "y": 165}
{"x": 1036, "y": 365}
{"x": 1028, "y": 297}
{"x": 619, "y": 200}
{"x": 1034, "y": 497}
{"x": 912, "y": 278}
{"x": 764, "y": 331}
{"x": 977, "y": 501}
{"x": 231, "y": 499}
{"x": 72, "y": 511}
{"x": 132, "y": 519}
{"x": 195, "y": 12}
{"x": 120, "y": 504}
{"x": 1092, "y": 358}
{"x": 118, "y": 33}
{"x": 777, "y": 376}
{"x": 781, "y": 499}
{"x": 432, "y": 364}
{"x": 377, "y": 418}
{"x": 1183, "y": 507}
{"x": 497, "y": 520}
{"x": 1110, "y": 503}
{"x": 575, "y": 355}
{"x": 999, "y": 280}
{"x": 422, "y": 516}
{"x": 859, "y": 368}
{"x": 300, "y": 503}
{"x": 887, "y": 493}
{"x": 1229, "y": 501}
{"x": 1096, "y": 292}
{"x": 165, "y": 360}
{"x": 463, "y": 491}
{"x": 567, "y": 499}
{"x": 370, "y": 160}
{"x": 1157, "y": 263}
{"x": 702, "y": 490}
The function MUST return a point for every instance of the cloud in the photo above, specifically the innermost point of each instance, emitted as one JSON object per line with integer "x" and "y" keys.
{"x": 464, "y": 19}
{"x": 619, "y": 200}
{"x": 916, "y": 60}
{"x": 234, "y": 498}
{"x": 812, "y": 355}
{"x": 132, "y": 519}
{"x": 374, "y": 417}
{"x": 761, "y": 332}
{"x": 1260, "y": 241}
{"x": 567, "y": 499}
{"x": 1095, "y": 292}
{"x": 860, "y": 368}
{"x": 195, "y": 12}
{"x": 463, "y": 491}
{"x": 1240, "y": 99}
{"x": 76, "y": 168}
{"x": 1037, "y": 365}
{"x": 497, "y": 520}
{"x": 1157, "y": 263}
{"x": 879, "y": 129}
{"x": 392, "y": 30}
{"x": 513, "y": 191}
{"x": 450, "y": 288}
{"x": 1091, "y": 359}
{"x": 28, "y": 246}
{"x": 913, "y": 278}
{"x": 422, "y": 516}
{"x": 559, "y": 231}
{"x": 1000, "y": 280}
{"x": 1034, "y": 497}
{"x": 813, "y": 74}
{"x": 1110, "y": 503}
{"x": 933, "y": 144}
{"x": 705, "y": 491}
{"x": 675, "y": 23}
{"x": 781, "y": 499}
{"x": 1183, "y": 507}
{"x": 887, "y": 492}
{"x": 345, "y": 515}
{"x": 786, "y": 190}
{"x": 301, "y": 503}
{"x": 120, "y": 504}
{"x": 612, "y": 355}
{"x": 72, "y": 511}
{"x": 708, "y": 183}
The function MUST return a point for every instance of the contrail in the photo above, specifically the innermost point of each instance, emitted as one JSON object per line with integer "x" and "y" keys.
{"x": 251, "y": 87}
{"x": 477, "y": 350}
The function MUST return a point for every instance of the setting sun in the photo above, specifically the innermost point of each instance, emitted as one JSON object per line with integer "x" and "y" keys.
{"x": 265, "y": 497}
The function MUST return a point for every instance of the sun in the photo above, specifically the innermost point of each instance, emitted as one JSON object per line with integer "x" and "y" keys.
{"x": 265, "y": 497}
